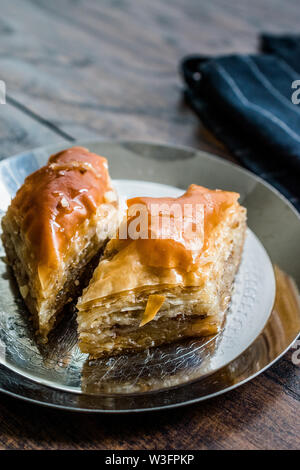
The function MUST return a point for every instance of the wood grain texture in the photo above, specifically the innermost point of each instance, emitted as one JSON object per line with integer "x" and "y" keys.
{"x": 111, "y": 68}
{"x": 259, "y": 415}
{"x": 80, "y": 69}
{"x": 19, "y": 131}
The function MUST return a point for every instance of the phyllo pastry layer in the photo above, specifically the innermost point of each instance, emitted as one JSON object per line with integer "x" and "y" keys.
{"x": 55, "y": 225}
{"x": 169, "y": 281}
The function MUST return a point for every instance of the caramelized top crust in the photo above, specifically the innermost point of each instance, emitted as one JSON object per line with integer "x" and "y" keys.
{"x": 179, "y": 244}
{"x": 139, "y": 264}
{"x": 56, "y": 199}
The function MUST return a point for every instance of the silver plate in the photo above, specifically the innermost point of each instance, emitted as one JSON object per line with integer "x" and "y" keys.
{"x": 59, "y": 375}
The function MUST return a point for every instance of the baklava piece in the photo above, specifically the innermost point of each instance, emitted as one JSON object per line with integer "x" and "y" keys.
{"x": 164, "y": 285}
{"x": 55, "y": 225}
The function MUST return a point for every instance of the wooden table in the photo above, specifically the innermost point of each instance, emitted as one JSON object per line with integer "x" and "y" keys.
{"x": 81, "y": 69}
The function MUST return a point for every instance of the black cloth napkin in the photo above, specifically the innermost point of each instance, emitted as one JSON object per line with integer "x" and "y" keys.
{"x": 245, "y": 100}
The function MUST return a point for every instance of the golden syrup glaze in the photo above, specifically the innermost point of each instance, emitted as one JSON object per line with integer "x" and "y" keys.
{"x": 130, "y": 264}
{"x": 154, "y": 304}
{"x": 56, "y": 199}
{"x": 172, "y": 252}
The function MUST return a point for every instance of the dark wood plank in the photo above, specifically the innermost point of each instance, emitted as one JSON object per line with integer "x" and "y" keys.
{"x": 258, "y": 415}
{"x": 19, "y": 131}
{"x": 96, "y": 70}
{"x": 110, "y": 69}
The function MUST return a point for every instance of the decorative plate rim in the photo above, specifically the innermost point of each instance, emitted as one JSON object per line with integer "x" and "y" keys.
{"x": 218, "y": 160}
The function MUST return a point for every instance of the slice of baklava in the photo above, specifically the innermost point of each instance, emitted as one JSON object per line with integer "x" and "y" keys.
{"x": 57, "y": 222}
{"x": 170, "y": 279}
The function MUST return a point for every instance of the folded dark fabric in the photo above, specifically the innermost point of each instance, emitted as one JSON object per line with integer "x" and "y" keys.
{"x": 245, "y": 100}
